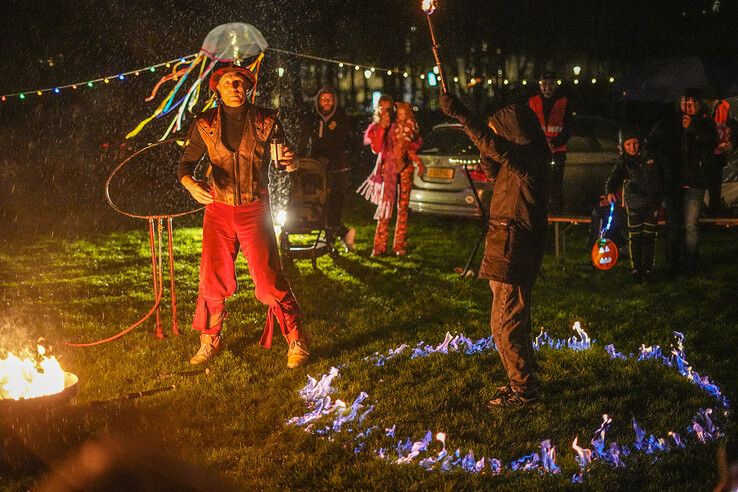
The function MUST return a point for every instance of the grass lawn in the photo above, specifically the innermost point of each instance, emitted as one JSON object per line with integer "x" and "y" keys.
{"x": 233, "y": 419}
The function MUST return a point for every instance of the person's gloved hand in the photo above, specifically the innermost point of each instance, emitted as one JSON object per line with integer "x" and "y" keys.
{"x": 453, "y": 107}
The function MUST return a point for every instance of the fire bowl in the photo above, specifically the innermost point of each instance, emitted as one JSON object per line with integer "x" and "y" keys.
{"x": 10, "y": 407}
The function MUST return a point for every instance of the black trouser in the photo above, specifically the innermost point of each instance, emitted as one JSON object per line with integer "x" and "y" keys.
{"x": 682, "y": 227}
{"x": 340, "y": 182}
{"x": 555, "y": 202}
{"x": 715, "y": 183}
{"x": 642, "y": 228}
{"x": 674, "y": 231}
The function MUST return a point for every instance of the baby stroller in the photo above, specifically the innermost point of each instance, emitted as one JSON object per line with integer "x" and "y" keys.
{"x": 306, "y": 214}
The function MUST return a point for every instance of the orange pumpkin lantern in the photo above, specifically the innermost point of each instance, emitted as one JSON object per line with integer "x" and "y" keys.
{"x": 604, "y": 254}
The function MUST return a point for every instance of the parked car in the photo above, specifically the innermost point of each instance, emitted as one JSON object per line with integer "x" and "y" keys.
{"x": 444, "y": 188}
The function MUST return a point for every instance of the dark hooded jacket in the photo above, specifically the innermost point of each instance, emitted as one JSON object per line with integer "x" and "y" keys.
{"x": 684, "y": 154}
{"x": 325, "y": 136}
{"x": 641, "y": 178}
{"x": 516, "y": 156}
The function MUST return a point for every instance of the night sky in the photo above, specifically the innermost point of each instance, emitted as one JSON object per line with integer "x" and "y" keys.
{"x": 88, "y": 38}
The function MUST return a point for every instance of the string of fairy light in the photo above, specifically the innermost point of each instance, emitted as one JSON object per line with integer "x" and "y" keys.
{"x": 369, "y": 71}
{"x": 90, "y": 83}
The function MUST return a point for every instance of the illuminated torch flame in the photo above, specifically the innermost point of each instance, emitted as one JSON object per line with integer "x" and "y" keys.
{"x": 429, "y": 6}
{"x": 30, "y": 377}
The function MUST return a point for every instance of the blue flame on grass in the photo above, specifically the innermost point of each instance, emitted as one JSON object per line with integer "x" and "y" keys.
{"x": 424, "y": 452}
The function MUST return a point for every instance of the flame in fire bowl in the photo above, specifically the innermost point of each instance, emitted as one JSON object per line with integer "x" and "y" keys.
{"x": 34, "y": 383}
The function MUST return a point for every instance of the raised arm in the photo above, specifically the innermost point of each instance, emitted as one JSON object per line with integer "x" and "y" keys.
{"x": 488, "y": 142}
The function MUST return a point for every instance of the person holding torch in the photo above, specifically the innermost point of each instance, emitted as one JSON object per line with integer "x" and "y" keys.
{"x": 237, "y": 136}
{"x": 516, "y": 157}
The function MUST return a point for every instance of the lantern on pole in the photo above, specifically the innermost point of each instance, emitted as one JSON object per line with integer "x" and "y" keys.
{"x": 429, "y": 6}
{"x": 605, "y": 251}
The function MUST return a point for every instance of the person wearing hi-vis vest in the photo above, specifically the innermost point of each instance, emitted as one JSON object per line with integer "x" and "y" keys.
{"x": 727, "y": 133}
{"x": 554, "y": 114}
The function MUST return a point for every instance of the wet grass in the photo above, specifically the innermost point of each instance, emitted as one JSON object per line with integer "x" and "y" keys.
{"x": 232, "y": 420}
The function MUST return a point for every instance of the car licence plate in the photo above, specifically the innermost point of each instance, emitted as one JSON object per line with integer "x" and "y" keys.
{"x": 440, "y": 172}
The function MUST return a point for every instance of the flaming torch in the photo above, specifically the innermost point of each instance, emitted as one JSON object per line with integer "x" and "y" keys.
{"x": 429, "y": 6}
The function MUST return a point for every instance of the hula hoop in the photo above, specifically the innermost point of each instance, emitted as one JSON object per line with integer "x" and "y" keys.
{"x": 121, "y": 166}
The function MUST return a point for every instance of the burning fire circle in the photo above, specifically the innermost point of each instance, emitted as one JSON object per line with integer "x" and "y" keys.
{"x": 327, "y": 417}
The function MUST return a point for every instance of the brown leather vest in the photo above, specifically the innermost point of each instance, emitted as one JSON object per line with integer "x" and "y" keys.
{"x": 237, "y": 177}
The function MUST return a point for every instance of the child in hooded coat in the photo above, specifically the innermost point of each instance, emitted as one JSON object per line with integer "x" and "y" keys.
{"x": 642, "y": 182}
{"x": 407, "y": 135}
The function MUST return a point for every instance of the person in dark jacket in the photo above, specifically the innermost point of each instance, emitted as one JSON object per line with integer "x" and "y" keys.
{"x": 325, "y": 135}
{"x": 236, "y": 136}
{"x": 516, "y": 156}
{"x": 640, "y": 177}
{"x": 683, "y": 145}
